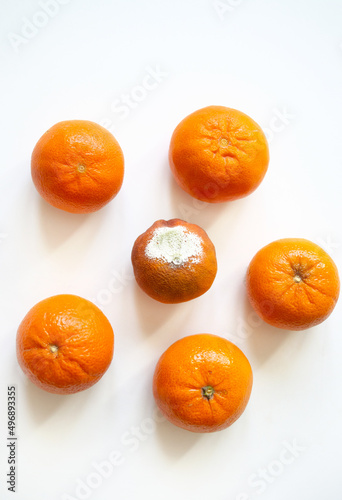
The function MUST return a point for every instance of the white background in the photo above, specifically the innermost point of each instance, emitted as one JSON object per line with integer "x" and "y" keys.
{"x": 264, "y": 57}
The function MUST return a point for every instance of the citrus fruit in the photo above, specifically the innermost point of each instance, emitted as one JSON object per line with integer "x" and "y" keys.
{"x": 202, "y": 383}
{"x": 174, "y": 261}
{"x": 77, "y": 166}
{"x": 218, "y": 154}
{"x": 292, "y": 283}
{"x": 65, "y": 344}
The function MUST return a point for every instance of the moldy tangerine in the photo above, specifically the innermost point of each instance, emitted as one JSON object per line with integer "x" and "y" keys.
{"x": 174, "y": 261}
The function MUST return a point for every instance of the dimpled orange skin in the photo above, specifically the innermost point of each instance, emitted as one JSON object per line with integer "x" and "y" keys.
{"x": 65, "y": 344}
{"x": 218, "y": 154}
{"x": 77, "y": 166}
{"x": 174, "y": 284}
{"x": 197, "y": 365}
{"x": 293, "y": 284}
